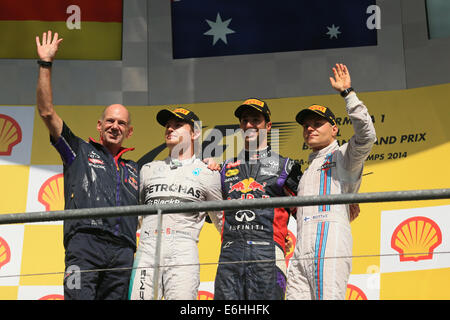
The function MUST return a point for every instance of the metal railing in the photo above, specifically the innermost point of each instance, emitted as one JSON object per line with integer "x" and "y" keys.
{"x": 141, "y": 210}
{"x": 277, "y": 202}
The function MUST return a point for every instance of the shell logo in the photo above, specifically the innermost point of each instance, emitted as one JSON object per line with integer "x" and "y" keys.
{"x": 5, "y": 252}
{"x": 354, "y": 293}
{"x": 52, "y": 297}
{"x": 290, "y": 251}
{"x": 10, "y": 134}
{"x": 416, "y": 238}
{"x": 205, "y": 295}
{"x": 51, "y": 193}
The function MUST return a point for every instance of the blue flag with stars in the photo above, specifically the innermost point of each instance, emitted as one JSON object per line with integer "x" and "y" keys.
{"x": 207, "y": 28}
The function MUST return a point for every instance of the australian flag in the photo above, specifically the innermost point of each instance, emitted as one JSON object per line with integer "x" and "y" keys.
{"x": 206, "y": 28}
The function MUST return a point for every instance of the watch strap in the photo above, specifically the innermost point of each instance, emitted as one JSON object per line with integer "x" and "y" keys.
{"x": 45, "y": 64}
{"x": 346, "y": 92}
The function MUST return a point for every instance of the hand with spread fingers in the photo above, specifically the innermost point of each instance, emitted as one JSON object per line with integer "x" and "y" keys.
{"x": 47, "y": 50}
{"x": 341, "y": 80}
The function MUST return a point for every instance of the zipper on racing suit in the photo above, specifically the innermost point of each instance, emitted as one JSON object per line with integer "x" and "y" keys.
{"x": 118, "y": 182}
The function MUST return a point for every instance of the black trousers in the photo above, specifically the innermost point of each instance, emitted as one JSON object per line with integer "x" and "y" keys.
{"x": 249, "y": 280}
{"x": 91, "y": 251}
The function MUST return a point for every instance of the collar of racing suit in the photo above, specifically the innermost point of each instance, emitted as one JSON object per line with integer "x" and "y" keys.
{"x": 257, "y": 154}
{"x": 119, "y": 154}
{"x": 175, "y": 163}
{"x": 322, "y": 152}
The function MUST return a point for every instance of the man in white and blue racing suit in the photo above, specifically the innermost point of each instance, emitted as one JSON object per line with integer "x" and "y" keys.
{"x": 321, "y": 264}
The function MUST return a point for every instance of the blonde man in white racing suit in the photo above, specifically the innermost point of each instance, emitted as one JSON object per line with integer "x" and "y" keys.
{"x": 181, "y": 177}
{"x": 324, "y": 231}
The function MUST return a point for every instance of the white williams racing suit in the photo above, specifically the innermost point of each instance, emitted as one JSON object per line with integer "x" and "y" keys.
{"x": 173, "y": 181}
{"x": 324, "y": 231}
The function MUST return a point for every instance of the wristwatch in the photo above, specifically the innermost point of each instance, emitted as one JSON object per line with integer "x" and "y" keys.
{"x": 346, "y": 92}
{"x": 45, "y": 64}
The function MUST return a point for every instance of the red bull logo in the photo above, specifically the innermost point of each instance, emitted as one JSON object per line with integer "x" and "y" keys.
{"x": 240, "y": 186}
{"x": 247, "y": 185}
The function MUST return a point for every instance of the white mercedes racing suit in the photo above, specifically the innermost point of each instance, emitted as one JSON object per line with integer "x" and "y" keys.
{"x": 173, "y": 181}
{"x": 324, "y": 231}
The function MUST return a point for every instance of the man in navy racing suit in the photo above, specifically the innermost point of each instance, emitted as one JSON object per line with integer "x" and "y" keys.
{"x": 255, "y": 234}
{"x": 95, "y": 175}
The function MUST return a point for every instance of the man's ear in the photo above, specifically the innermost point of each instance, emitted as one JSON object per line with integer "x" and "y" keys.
{"x": 196, "y": 134}
{"x": 99, "y": 125}
{"x": 335, "y": 131}
{"x": 130, "y": 131}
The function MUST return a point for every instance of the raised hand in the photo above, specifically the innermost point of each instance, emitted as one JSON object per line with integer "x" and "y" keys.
{"x": 341, "y": 80}
{"x": 47, "y": 50}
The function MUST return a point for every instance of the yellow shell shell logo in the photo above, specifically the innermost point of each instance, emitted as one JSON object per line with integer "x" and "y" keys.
{"x": 10, "y": 134}
{"x": 232, "y": 172}
{"x": 51, "y": 193}
{"x": 205, "y": 295}
{"x": 290, "y": 250}
{"x": 416, "y": 238}
{"x": 354, "y": 293}
{"x": 52, "y": 297}
{"x": 5, "y": 252}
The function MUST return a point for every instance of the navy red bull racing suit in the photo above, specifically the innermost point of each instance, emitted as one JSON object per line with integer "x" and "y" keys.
{"x": 257, "y": 234}
{"x": 93, "y": 178}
